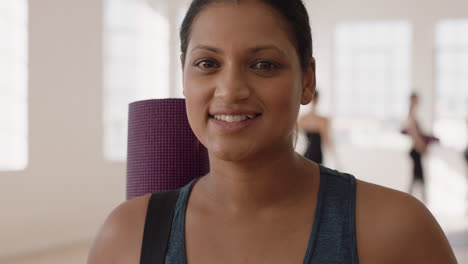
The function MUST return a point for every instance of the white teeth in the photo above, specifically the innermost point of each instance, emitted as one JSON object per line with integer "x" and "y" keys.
{"x": 233, "y": 118}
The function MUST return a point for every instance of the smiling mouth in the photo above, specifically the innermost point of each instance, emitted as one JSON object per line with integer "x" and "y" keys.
{"x": 234, "y": 118}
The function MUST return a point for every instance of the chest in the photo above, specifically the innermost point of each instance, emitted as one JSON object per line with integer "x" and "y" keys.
{"x": 275, "y": 238}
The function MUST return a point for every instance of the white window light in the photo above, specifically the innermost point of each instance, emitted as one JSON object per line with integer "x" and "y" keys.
{"x": 452, "y": 83}
{"x": 136, "y": 66}
{"x": 372, "y": 81}
{"x": 13, "y": 85}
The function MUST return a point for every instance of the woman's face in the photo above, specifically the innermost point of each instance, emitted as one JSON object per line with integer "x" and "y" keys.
{"x": 243, "y": 82}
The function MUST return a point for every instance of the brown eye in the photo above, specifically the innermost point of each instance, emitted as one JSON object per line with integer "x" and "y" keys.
{"x": 265, "y": 66}
{"x": 207, "y": 64}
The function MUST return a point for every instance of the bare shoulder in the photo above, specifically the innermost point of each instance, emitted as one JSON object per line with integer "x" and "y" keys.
{"x": 324, "y": 119}
{"x": 120, "y": 237}
{"x": 394, "y": 227}
{"x": 325, "y": 122}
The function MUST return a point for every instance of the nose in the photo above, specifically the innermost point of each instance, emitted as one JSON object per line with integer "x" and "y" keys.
{"x": 232, "y": 85}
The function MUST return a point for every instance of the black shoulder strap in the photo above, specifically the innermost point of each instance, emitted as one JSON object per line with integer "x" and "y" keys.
{"x": 158, "y": 226}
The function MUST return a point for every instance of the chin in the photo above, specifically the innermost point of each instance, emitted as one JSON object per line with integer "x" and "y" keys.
{"x": 231, "y": 153}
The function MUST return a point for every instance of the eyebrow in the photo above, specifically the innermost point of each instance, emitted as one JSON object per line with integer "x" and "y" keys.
{"x": 205, "y": 47}
{"x": 266, "y": 47}
{"x": 250, "y": 50}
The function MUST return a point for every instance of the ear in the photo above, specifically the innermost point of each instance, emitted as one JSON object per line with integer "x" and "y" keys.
{"x": 309, "y": 83}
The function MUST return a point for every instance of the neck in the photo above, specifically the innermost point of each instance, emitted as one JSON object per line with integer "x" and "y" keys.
{"x": 275, "y": 179}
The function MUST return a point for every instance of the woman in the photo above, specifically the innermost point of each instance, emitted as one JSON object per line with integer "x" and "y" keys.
{"x": 247, "y": 67}
{"x": 466, "y": 149}
{"x": 316, "y": 128}
{"x": 420, "y": 142}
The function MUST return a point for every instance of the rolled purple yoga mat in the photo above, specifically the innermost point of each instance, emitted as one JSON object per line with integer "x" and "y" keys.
{"x": 163, "y": 153}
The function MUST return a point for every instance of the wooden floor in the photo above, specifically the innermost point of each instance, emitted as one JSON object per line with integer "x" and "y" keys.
{"x": 73, "y": 254}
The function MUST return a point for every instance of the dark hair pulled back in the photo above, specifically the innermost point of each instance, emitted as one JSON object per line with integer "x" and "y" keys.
{"x": 293, "y": 11}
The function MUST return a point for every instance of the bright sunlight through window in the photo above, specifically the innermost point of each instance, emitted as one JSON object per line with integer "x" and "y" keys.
{"x": 136, "y": 66}
{"x": 372, "y": 81}
{"x": 452, "y": 83}
{"x": 13, "y": 85}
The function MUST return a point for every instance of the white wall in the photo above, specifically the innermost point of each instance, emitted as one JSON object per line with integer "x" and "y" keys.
{"x": 68, "y": 189}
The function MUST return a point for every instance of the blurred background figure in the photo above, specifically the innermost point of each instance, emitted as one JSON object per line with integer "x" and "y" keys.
{"x": 418, "y": 148}
{"x": 466, "y": 160}
{"x": 317, "y": 130}
{"x": 420, "y": 143}
{"x": 466, "y": 149}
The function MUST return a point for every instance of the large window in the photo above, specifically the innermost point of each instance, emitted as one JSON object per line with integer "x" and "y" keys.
{"x": 372, "y": 80}
{"x": 13, "y": 85}
{"x": 136, "y": 65}
{"x": 452, "y": 83}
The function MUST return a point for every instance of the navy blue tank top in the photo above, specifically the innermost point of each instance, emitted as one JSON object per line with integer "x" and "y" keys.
{"x": 333, "y": 235}
{"x": 314, "y": 147}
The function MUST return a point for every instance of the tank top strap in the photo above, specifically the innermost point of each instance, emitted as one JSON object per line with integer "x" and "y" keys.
{"x": 333, "y": 237}
{"x": 176, "y": 252}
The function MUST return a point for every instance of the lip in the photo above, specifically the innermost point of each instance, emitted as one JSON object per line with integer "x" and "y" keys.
{"x": 233, "y": 127}
{"x": 234, "y": 112}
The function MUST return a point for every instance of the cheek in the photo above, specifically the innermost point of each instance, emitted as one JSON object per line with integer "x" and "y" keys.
{"x": 194, "y": 90}
{"x": 285, "y": 98}
{"x": 195, "y": 117}
{"x": 196, "y": 87}
{"x": 197, "y": 96}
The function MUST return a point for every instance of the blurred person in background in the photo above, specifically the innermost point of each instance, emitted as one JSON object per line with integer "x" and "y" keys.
{"x": 466, "y": 160}
{"x": 466, "y": 149}
{"x": 420, "y": 142}
{"x": 317, "y": 131}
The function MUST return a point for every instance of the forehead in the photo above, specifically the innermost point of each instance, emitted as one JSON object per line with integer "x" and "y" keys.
{"x": 235, "y": 25}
